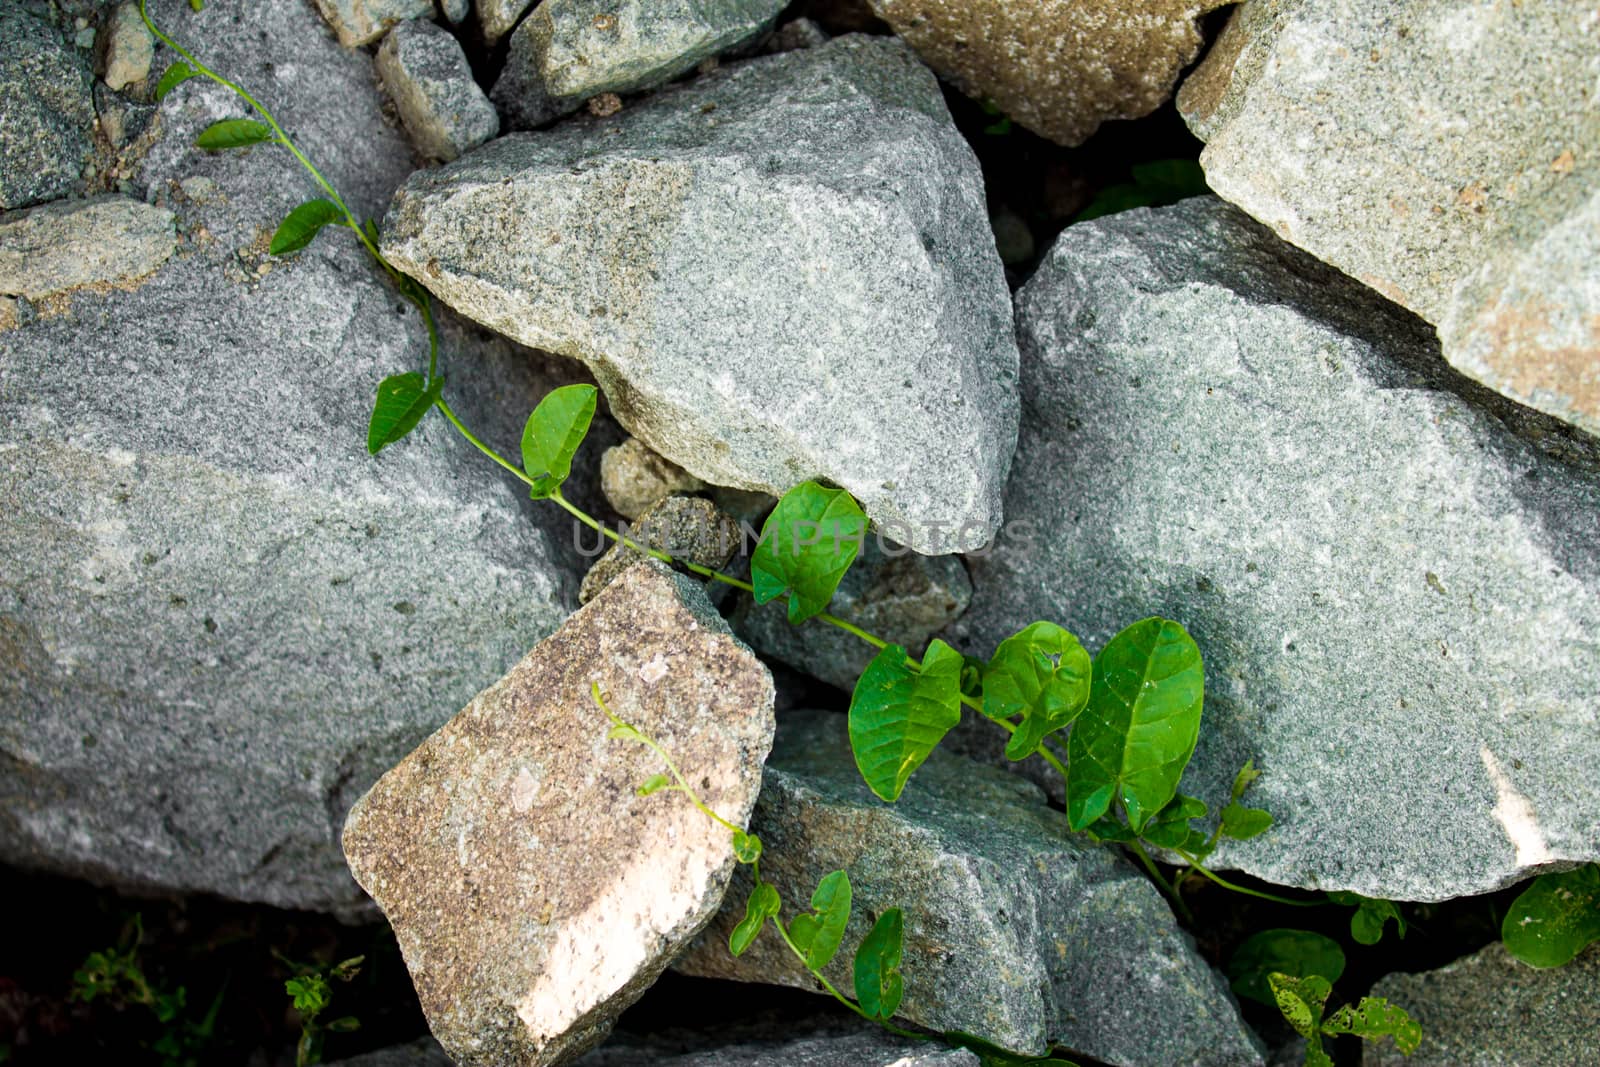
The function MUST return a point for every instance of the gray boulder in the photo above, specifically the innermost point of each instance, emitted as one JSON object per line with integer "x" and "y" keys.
{"x": 46, "y": 111}
{"x": 1012, "y": 926}
{"x": 428, "y": 77}
{"x": 499, "y": 17}
{"x": 220, "y": 619}
{"x": 788, "y": 1045}
{"x": 1491, "y": 1010}
{"x": 567, "y": 51}
{"x": 359, "y": 22}
{"x": 107, "y": 240}
{"x": 535, "y": 895}
{"x": 633, "y": 478}
{"x": 1393, "y": 575}
{"x": 1442, "y": 152}
{"x": 778, "y": 272}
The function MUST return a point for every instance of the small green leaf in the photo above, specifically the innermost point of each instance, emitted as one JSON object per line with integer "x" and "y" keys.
{"x": 402, "y": 401}
{"x": 1374, "y": 1019}
{"x": 817, "y": 934}
{"x": 1296, "y": 953}
{"x": 1242, "y": 823}
{"x": 552, "y": 435}
{"x": 346, "y": 970}
{"x": 1041, "y": 673}
{"x": 763, "y": 904}
{"x": 1155, "y": 184}
{"x": 1302, "y": 1001}
{"x": 349, "y": 1024}
{"x": 197, "y": 5}
{"x": 175, "y": 76}
{"x": 1107, "y": 828}
{"x": 1170, "y": 827}
{"x": 1140, "y": 727}
{"x": 623, "y": 732}
{"x": 310, "y": 993}
{"x": 746, "y": 847}
{"x": 1241, "y": 781}
{"x": 807, "y": 544}
{"x": 653, "y": 784}
{"x": 1555, "y": 918}
{"x": 1370, "y": 917}
{"x": 879, "y": 985}
{"x": 898, "y": 716}
{"x": 234, "y": 133}
{"x": 301, "y": 225}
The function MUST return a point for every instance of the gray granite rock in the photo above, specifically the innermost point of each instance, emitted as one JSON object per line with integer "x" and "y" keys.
{"x": 499, "y": 17}
{"x": 687, "y": 528}
{"x": 428, "y": 77}
{"x": 46, "y": 111}
{"x": 455, "y": 11}
{"x": 359, "y": 22}
{"x": 1395, "y": 589}
{"x": 107, "y": 240}
{"x": 780, "y": 271}
{"x": 634, "y": 478}
{"x": 1491, "y": 1010}
{"x": 1441, "y": 151}
{"x": 125, "y": 47}
{"x": 534, "y": 894}
{"x": 903, "y": 598}
{"x": 220, "y": 619}
{"x": 790, "y": 1046}
{"x": 423, "y": 1053}
{"x": 568, "y": 51}
{"x": 1013, "y": 928}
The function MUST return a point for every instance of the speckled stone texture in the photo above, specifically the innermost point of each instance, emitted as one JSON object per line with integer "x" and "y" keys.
{"x": 633, "y": 478}
{"x": 220, "y": 618}
{"x": 533, "y": 893}
{"x": 687, "y": 528}
{"x": 1014, "y": 930}
{"x": 499, "y": 17}
{"x": 780, "y": 271}
{"x": 76, "y": 243}
{"x": 428, "y": 77}
{"x": 1491, "y": 1010}
{"x": 1441, "y": 151}
{"x": 1392, "y": 573}
{"x": 1058, "y": 67}
{"x": 46, "y": 111}
{"x": 359, "y": 22}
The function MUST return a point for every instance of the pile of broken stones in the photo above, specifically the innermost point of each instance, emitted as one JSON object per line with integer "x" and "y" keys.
{"x": 1338, "y": 418}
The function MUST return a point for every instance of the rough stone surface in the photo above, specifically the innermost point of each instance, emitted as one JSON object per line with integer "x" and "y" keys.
{"x": 780, "y": 271}
{"x": 1441, "y": 151}
{"x": 1395, "y": 592}
{"x": 46, "y": 111}
{"x": 499, "y": 17}
{"x": 837, "y": 1046}
{"x": 428, "y": 77}
{"x": 359, "y": 22}
{"x": 76, "y": 243}
{"x": 533, "y": 893}
{"x": 685, "y": 527}
{"x": 455, "y": 11}
{"x": 220, "y": 619}
{"x": 1059, "y": 67}
{"x": 423, "y": 1053}
{"x": 903, "y": 598}
{"x": 568, "y": 51}
{"x": 634, "y": 478}
{"x": 1012, "y": 927}
{"x": 1490, "y": 1010}
{"x": 125, "y": 47}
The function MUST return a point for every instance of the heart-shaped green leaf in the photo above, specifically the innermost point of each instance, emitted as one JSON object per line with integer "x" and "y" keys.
{"x": 1302, "y": 1002}
{"x": 1140, "y": 727}
{"x": 1296, "y": 953}
{"x": 552, "y": 435}
{"x": 746, "y": 847}
{"x": 234, "y": 133}
{"x": 1376, "y": 1018}
{"x": 301, "y": 225}
{"x": 1372, "y": 914}
{"x": 175, "y": 76}
{"x": 1555, "y": 918}
{"x": 818, "y": 933}
{"x": 898, "y": 715}
{"x": 807, "y": 544}
{"x": 653, "y": 785}
{"x": 401, "y": 402}
{"x": 763, "y": 904}
{"x": 1170, "y": 828}
{"x": 1041, "y": 673}
{"x": 879, "y": 986}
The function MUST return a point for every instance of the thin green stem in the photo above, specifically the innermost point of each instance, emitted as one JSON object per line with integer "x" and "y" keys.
{"x": 651, "y": 743}
{"x": 783, "y": 932}
{"x": 1195, "y": 864}
{"x": 479, "y": 445}
{"x": 1167, "y": 887}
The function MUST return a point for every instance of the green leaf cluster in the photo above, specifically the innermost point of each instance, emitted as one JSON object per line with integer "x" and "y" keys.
{"x": 1302, "y": 1000}
{"x": 1372, "y": 914}
{"x": 312, "y": 993}
{"x": 1555, "y": 918}
{"x": 1154, "y": 184}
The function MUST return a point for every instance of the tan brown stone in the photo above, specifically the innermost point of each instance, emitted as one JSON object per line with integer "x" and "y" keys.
{"x": 633, "y": 478}
{"x": 1058, "y": 67}
{"x": 533, "y": 893}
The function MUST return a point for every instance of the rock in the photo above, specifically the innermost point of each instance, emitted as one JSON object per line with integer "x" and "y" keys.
{"x": 633, "y": 478}
{"x": 903, "y": 598}
{"x": 1012, "y": 927}
{"x": 533, "y": 893}
{"x": 423, "y": 1053}
{"x": 835, "y": 1046}
{"x": 1369, "y": 550}
{"x": 427, "y": 75}
{"x": 455, "y": 11}
{"x": 1058, "y": 67}
{"x": 359, "y": 22}
{"x": 71, "y": 244}
{"x": 126, "y": 48}
{"x": 780, "y": 271}
{"x": 499, "y": 17}
{"x": 46, "y": 111}
{"x": 796, "y": 34}
{"x": 685, "y": 527}
{"x": 220, "y": 619}
{"x": 1490, "y": 1010}
{"x": 1442, "y": 152}
{"x": 570, "y": 50}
